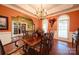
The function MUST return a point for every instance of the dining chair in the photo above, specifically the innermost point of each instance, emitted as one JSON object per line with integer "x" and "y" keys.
{"x": 77, "y": 45}
{"x": 41, "y": 49}
{"x": 51, "y": 38}
{"x": 2, "y": 52}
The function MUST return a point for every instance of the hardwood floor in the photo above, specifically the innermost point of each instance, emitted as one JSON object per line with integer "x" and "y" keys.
{"x": 58, "y": 48}
{"x": 62, "y": 48}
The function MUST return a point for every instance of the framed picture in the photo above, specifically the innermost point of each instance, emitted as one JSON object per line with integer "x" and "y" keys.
{"x": 3, "y": 23}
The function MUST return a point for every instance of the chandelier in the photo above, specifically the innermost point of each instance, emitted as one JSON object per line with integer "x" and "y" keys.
{"x": 41, "y": 13}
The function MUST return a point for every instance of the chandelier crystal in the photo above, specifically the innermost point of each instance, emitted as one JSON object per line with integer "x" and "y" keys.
{"x": 41, "y": 13}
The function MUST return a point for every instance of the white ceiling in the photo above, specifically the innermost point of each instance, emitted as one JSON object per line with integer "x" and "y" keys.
{"x": 30, "y": 9}
{"x": 44, "y": 6}
{"x": 50, "y": 8}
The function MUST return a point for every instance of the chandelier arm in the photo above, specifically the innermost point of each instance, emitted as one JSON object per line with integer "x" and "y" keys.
{"x": 41, "y": 12}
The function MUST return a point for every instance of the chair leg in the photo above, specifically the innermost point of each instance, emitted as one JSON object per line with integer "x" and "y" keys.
{"x": 76, "y": 47}
{"x": 72, "y": 42}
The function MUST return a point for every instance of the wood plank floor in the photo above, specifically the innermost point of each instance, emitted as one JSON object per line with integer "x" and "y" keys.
{"x": 62, "y": 48}
{"x": 58, "y": 48}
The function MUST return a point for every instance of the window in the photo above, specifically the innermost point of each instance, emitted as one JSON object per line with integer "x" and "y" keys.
{"x": 15, "y": 27}
{"x": 45, "y": 25}
{"x": 63, "y": 26}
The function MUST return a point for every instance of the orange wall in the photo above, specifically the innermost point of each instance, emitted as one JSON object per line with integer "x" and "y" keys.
{"x": 38, "y": 23}
{"x": 74, "y": 21}
{"x": 5, "y": 11}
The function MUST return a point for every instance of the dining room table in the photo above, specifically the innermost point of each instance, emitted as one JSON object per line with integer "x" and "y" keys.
{"x": 31, "y": 42}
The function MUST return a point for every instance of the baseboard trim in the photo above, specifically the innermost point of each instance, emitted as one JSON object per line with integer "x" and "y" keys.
{"x": 63, "y": 41}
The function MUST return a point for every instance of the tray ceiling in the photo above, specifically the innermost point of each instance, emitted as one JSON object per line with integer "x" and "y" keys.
{"x": 31, "y": 8}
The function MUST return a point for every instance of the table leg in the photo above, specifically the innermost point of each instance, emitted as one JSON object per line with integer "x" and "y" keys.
{"x": 76, "y": 47}
{"x": 72, "y": 42}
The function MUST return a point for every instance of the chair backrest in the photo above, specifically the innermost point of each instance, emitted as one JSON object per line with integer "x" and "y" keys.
{"x": 32, "y": 51}
{"x": 51, "y": 35}
{"x": 2, "y": 52}
{"x": 44, "y": 45}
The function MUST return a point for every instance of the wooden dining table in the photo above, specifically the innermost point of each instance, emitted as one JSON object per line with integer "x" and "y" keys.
{"x": 31, "y": 41}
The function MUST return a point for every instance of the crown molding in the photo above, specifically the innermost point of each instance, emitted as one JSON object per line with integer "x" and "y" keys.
{"x": 63, "y": 12}
{"x": 17, "y": 9}
{"x": 30, "y": 14}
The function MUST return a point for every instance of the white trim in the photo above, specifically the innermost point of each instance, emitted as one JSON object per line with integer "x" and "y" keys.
{"x": 64, "y": 12}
